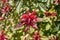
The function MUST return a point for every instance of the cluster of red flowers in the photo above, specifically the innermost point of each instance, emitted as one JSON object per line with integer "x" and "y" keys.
{"x": 28, "y": 19}
{"x": 4, "y": 10}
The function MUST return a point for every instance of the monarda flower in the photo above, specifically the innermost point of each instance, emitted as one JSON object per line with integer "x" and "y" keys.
{"x": 36, "y": 36}
{"x": 29, "y": 19}
{"x": 5, "y": 1}
{"x": 48, "y": 14}
{"x": 6, "y": 9}
{"x": 53, "y": 38}
{"x": 3, "y": 36}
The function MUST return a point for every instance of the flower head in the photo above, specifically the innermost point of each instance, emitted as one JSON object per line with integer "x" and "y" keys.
{"x": 36, "y": 36}
{"x": 6, "y": 9}
{"x": 29, "y": 19}
{"x": 3, "y": 36}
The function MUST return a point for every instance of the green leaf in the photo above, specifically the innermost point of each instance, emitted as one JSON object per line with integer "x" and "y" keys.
{"x": 48, "y": 26}
{"x": 31, "y": 30}
{"x": 11, "y": 2}
{"x": 19, "y": 6}
{"x": 48, "y": 3}
{"x": 56, "y": 28}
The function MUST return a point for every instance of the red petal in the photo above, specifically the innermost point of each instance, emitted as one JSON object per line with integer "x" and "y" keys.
{"x": 56, "y": 2}
{"x": 34, "y": 20}
{"x": 33, "y": 13}
{"x": 39, "y": 19}
{"x": 25, "y": 16}
{"x": 27, "y": 27}
{"x": 35, "y": 26}
{"x": 28, "y": 21}
{"x": 33, "y": 16}
{"x": 53, "y": 14}
{"x": 24, "y": 20}
{"x": 1, "y": 18}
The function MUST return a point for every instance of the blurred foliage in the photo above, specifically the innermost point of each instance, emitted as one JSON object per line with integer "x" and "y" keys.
{"x": 47, "y": 27}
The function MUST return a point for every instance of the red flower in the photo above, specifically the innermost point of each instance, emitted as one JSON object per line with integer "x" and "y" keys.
{"x": 36, "y": 36}
{"x": 29, "y": 19}
{"x": 3, "y": 36}
{"x": 6, "y": 9}
{"x": 4, "y": 1}
{"x": 48, "y": 14}
{"x": 53, "y": 38}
